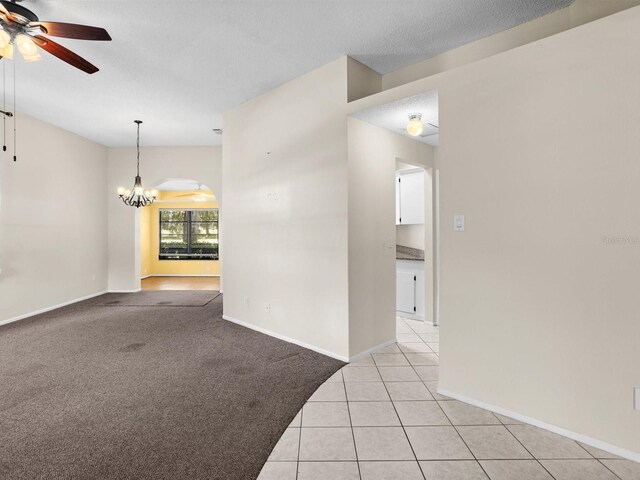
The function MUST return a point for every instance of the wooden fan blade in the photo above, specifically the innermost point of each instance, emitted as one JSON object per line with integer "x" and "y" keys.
{"x": 5, "y": 12}
{"x": 71, "y": 30}
{"x": 64, "y": 54}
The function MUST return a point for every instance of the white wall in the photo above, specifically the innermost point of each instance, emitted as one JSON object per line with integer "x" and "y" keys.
{"x": 156, "y": 164}
{"x": 53, "y": 234}
{"x": 539, "y": 148}
{"x": 285, "y": 212}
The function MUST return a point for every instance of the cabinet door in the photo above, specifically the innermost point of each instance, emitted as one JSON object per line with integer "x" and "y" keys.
{"x": 412, "y": 198}
{"x": 405, "y": 292}
{"x": 398, "y": 200}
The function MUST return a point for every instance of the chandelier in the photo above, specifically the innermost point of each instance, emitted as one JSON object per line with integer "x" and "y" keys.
{"x": 137, "y": 196}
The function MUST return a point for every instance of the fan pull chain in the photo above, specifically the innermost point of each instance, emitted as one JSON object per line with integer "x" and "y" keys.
{"x": 15, "y": 120}
{"x": 4, "y": 106}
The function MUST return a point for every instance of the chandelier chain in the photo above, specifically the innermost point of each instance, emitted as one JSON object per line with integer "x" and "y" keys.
{"x": 138, "y": 150}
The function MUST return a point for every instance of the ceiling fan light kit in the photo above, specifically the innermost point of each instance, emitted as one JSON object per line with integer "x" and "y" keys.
{"x": 21, "y": 27}
{"x": 137, "y": 196}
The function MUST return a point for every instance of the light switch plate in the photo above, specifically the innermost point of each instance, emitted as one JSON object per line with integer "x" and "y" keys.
{"x": 636, "y": 396}
{"x": 458, "y": 223}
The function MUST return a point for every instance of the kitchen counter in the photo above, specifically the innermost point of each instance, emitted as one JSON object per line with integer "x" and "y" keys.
{"x": 408, "y": 253}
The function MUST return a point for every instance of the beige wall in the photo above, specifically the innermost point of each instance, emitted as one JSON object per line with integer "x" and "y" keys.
{"x": 410, "y": 236}
{"x": 539, "y": 148}
{"x": 53, "y": 235}
{"x": 373, "y": 152}
{"x": 529, "y": 290}
{"x": 578, "y": 13}
{"x": 157, "y": 164}
{"x": 285, "y": 212}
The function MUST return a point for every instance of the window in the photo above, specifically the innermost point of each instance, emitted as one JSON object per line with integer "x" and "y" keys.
{"x": 188, "y": 234}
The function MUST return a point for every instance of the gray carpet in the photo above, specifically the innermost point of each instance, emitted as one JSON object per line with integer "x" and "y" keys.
{"x": 170, "y": 298}
{"x": 95, "y": 392}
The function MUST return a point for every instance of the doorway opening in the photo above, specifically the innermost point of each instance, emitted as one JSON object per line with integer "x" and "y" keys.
{"x": 179, "y": 238}
{"x": 414, "y": 241}
{"x": 410, "y": 148}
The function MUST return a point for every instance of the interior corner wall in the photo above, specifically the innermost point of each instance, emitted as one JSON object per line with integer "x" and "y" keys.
{"x": 539, "y": 149}
{"x": 373, "y": 152}
{"x": 53, "y": 233}
{"x": 362, "y": 81}
{"x": 157, "y": 164}
{"x": 284, "y": 217}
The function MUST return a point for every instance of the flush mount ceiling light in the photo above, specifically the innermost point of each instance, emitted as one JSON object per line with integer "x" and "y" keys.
{"x": 415, "y": 126}
{"x": 138, "y": 196}
{"x": 21, "y": 27}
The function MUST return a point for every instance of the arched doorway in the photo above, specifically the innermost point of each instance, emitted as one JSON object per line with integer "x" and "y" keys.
{"x": 179, "y": 238}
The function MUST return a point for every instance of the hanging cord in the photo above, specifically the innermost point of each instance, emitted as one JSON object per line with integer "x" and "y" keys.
{"x": 4, "y": 106}
{"x": 15, "y": 120}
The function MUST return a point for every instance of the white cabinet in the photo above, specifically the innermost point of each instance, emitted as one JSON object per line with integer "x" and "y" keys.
{"x": 410, "y": 197}
{"x": 410, "y": 289}
{"x": 406, "y": 292}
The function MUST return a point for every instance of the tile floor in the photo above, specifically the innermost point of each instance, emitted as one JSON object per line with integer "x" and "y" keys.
{"x": 381, "y": 419}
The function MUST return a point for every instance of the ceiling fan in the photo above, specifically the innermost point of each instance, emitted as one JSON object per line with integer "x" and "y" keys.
{"x": 21, "y": 27}
{"x": 200, "y": 196}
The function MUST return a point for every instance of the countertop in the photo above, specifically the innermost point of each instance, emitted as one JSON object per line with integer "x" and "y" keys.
{"x": 408, "y": 253}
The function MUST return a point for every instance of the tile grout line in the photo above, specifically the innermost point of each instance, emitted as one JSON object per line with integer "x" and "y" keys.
{"x": 598, "y": 460}
{"x": 394, "y": 407}
{"x": 434, "y": 353}
{"x": 532, "y": 455}
{"x": 504, "y": 426}
{"x": 299, "y": 441}
{"x": 465, "y": 442}
{"x": 454, "y": 427}
{"x": 400, "y": 421}
{"x": 353, "y": 435}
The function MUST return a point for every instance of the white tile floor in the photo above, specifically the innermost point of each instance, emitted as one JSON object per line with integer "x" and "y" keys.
{"x": 381, "y": 419}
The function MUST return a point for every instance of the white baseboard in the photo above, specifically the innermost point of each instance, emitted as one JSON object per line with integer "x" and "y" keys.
{"x": 181, "y": 275}
{"x": 286, "y": 339}
{"x": 48, "y": 309}
{"x": 360, "y": 355}
{"x": 607, "y": 447}
{"x": 124, "y": 291}
{"x": 342, "y": 358}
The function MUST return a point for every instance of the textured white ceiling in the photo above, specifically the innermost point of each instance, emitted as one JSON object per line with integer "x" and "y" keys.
{"x": 394, "y": 116}
{"x": 179, "y": 64}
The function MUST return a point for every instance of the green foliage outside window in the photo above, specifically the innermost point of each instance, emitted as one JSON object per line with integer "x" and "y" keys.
{"x": 189, "y": 234}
